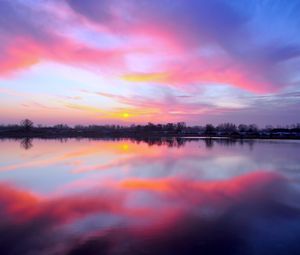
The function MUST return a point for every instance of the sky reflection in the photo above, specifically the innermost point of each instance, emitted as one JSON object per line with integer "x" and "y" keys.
{"x": 124, "y": 197}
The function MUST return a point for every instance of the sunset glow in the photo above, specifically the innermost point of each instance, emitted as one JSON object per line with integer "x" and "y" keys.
{"x": 156, "y": 127}
{"x": 125, "y": 62}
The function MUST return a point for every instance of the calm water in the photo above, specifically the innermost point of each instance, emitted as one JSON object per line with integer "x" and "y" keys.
{"x": 156, "y": 197}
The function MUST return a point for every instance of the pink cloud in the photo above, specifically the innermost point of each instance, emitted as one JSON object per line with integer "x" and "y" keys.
{"x": 25, "y": 52}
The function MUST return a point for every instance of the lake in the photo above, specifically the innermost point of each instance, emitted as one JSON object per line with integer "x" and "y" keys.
{"x": 172, "y": 196}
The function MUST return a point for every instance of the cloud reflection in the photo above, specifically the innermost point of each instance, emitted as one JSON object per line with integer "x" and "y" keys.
{"x": 162, "y": 216}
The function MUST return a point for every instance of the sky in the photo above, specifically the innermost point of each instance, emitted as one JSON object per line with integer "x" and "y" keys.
{"x": 140, "y": 61}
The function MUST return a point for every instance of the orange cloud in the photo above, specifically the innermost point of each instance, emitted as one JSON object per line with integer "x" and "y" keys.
{"x": 145, "y": 77}
{"x": 225, "y": 188}
{"x": 204, "y": 73}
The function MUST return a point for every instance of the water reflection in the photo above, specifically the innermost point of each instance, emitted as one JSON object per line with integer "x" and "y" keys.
{"x": 27, "y": 143}
{"x": 225, "y": 198}
{"x": 251, "y": 214}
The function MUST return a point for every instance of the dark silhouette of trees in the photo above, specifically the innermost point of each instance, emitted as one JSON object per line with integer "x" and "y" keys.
{"x": 26, "y": 124}
{"x": 61, "y": 126}
{"x": 180, "y": 127}
{"x": 253, "y": 128}
{"x": 209, "y": 130}
{"x": 227, "y": 128}
{"x": 152, "y": 130}
{"x": 242, "y": 128}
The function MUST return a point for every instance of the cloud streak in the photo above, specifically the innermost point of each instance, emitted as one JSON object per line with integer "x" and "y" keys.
{"x": 223, "y": 36}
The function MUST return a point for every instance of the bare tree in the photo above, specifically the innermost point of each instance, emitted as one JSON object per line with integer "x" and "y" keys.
{"x": 26, "y": 124}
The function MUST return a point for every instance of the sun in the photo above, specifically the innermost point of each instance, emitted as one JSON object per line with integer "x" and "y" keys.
{"x": 125, "y": 147}
{"x": 125, "y": 115}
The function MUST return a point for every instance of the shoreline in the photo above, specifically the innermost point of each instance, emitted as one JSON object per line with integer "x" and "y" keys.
{"x": 143, "y": 136}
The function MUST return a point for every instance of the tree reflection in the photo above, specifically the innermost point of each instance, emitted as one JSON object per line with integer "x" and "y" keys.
{"x": 171, "y": 142}
{"x": 26, "y": 143}
{"x": 180, "y": 142}
{"x": 166, "y": 141}
{"x": 209, "y": 143}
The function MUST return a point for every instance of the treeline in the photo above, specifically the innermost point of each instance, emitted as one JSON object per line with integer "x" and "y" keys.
{"x": 26, "y": 128}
